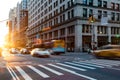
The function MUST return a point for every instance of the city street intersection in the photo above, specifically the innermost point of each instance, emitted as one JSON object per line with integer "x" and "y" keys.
{"x": 69, "y": 66}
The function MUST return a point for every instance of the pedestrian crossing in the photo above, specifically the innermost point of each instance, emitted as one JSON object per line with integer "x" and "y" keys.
{"x": 101, "y": 63}
{"x": 59, "y": 69}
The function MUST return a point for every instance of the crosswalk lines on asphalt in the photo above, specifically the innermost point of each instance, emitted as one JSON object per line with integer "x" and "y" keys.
{"x": 101, "y": 63}
{"x": 51, "y": 70}
{"x": 23, "y": 73}
{"x": 58, "y": 69}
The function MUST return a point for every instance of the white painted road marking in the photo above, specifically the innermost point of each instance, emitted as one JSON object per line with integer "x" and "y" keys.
{"x": 39, "y": 72}
{"x": 51, "y": 70}
{"x": 80, "y": 65}
{"x": 13, "y": 74}
{"x": 23, "y": 73}
{"x": 71, "y": 67}
{"x": 89, "y": 64}
{"x": 72, "y": 72}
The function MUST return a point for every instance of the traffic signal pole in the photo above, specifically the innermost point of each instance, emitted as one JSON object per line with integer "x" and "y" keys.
{"x": 92, "y": 20}
{"x": 93, "y": 36}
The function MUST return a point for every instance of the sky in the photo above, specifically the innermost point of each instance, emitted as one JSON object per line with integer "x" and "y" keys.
{"x": 5, "y": 6}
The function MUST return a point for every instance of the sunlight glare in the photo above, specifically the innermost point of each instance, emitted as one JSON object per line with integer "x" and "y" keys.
{"x": 3, "y": 33}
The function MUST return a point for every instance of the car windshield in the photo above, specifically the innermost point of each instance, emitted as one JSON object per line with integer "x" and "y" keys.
{"x": 40, "y": 49}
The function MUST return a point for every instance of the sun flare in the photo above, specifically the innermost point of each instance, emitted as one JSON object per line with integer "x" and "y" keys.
{"x": 3, "y": 33}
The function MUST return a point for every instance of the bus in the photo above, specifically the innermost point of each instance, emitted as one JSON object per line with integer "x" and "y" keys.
{"x": 57, "y": 46}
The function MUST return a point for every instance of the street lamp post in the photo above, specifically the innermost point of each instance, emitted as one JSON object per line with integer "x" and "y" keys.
{"x": 93, "y": 36}
{"x": 92, "y": 20}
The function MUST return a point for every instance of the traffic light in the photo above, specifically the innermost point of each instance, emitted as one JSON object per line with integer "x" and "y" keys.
{"x": 91, "y": 19}
{"x": 117, "y": 36}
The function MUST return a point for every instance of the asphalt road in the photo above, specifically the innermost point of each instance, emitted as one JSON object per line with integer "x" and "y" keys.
{"x": 69, "y": 66}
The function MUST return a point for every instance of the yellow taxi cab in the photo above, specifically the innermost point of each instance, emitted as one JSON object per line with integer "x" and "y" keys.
{"x": 107, "y": 51}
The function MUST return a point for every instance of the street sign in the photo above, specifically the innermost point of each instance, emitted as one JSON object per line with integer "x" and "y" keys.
{"x": 104, "y": 20}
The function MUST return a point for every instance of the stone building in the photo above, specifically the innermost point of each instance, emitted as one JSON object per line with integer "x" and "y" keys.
{"x": 69, "y": 20}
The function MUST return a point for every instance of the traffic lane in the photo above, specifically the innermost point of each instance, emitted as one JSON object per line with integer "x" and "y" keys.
{"x": 102, "y": 73}
{"x": 98, "y": 73}
{"x": 53, "y": 58}
{"x": 4, "y": 74}
{"x": 33, "y": 74}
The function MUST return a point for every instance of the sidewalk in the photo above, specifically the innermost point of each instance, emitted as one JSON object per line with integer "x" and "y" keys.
{"x": 76, "y": 54}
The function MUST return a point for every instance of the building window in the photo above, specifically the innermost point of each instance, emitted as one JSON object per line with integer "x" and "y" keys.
{"x": 99, "y": 14}
{"x": 99, "y": 3}
{"x": 91, "y": 2}
{"x": 113, "y": 16}
{"x": 50, "y": 8}
{"x": 105, "y": 13}
{"x": 62, "y": 32}
{"x": 90, "y": 12}
{"x": 61, "y": 1}
{"x": 56, "y": 33}
{"x": 105, "y": 4}
{"x": 50, "y": 1}
{"x": 68, "y": 14}
{"x": 71, "y": 29}
{"x": 50, "y": 23}
{"x": 117, "y": 6}
{"x": 72, "y": 13}
{"x": 85, "y": 2}
{"x": 50, "y": 35}
{"x": 45, "y": 5}
{"x": 118, "y": 17}
{"x": 72, "y": 2}
{"x": 68, "y": 3}
{"x": 115, "y": 30}
{"x": 112, "y": 5}
{"x": 61, "y": 9}
{"x": 61, "y": 18}
{"x": 85, "y": 12}
{"x": 102, "y": 30}
{"x": 86, "y": 28}
{"x": 55, "y": 21}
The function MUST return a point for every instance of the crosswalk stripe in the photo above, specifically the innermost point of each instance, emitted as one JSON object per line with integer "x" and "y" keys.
{"x": 23, "y": 73}
{"x": 51, "y": 70}
{"x": 102, "y": 62}
{"x": 71, "y": 67}
{"x": 98, "y": 66}
{"x": 38, "y": 71}
{"x": 105, "y": 62}
{"x": 13, "y": 74}
{"x": 72, "y": 72}
{"x": 80, "y": 65}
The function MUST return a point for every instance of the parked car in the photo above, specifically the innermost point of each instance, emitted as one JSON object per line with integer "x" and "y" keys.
{"x": 40, "y": 52}
{"x": 14, "y": 51}
{"x": 24, "y": 51}
{"x": 107, "y": 51}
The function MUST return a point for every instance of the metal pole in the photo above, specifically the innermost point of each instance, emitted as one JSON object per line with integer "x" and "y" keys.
{"x": 93, "y": 36}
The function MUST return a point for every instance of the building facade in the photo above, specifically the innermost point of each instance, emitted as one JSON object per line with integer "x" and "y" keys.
{"x": 19, "y": 23}
{"x": 12, "y": 24}
{"x": 69, "y": 20}
{"x": 23, "y": 22}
